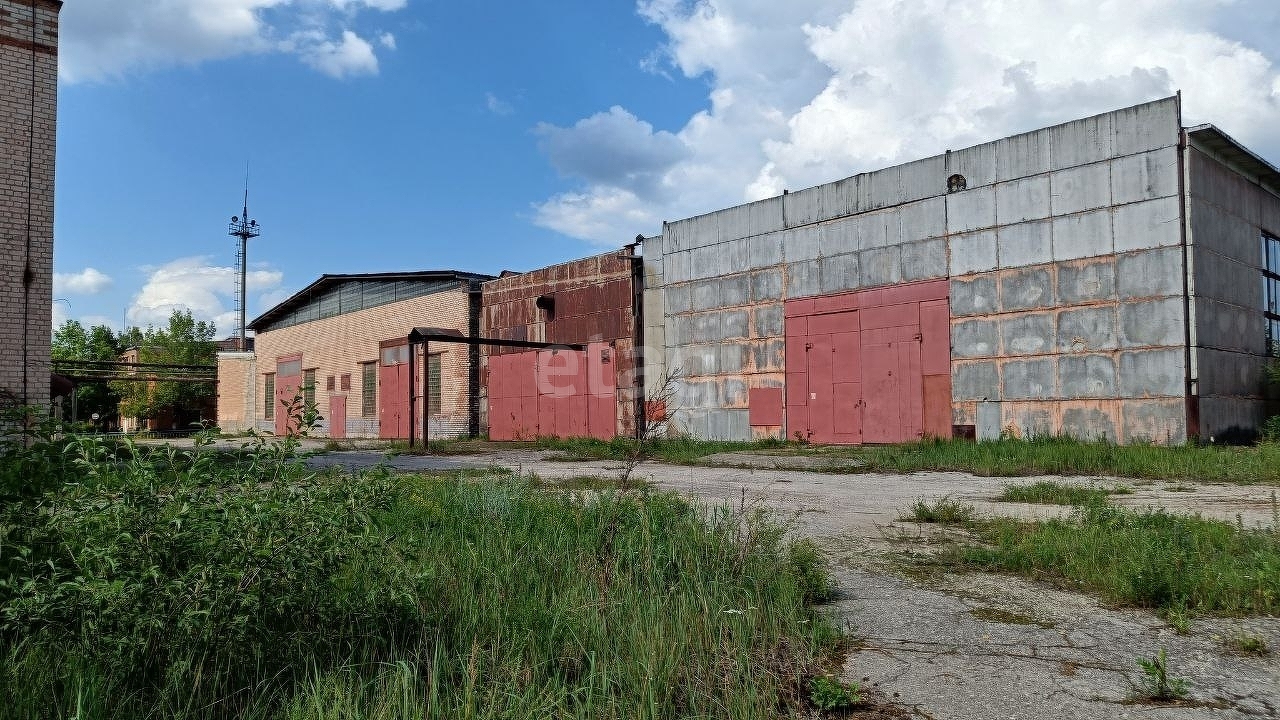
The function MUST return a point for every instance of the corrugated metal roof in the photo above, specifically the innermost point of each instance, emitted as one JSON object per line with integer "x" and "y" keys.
{"x": 328, "y": 281}
{"x": 1213, "y": 140}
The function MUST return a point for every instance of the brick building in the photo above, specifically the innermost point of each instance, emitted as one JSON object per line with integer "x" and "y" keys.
{"x": 28, "y": 119}
{"x": 1100, "y": 278}
{"x": 592, "y": 302}
{"x": 341, "y": 343}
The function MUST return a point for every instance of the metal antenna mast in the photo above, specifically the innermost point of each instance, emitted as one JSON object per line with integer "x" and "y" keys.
{"x": 243, "y": 228}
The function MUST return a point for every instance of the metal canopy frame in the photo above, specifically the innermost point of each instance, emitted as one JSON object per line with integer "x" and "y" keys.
{"x": 424, "y": 336}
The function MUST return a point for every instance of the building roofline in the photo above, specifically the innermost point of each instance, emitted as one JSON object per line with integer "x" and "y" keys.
{"x": 1211, "y": 138}
{"x": 329, "y": 279}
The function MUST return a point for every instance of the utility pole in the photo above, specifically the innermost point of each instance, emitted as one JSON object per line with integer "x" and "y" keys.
{"x": 243, "y": 228}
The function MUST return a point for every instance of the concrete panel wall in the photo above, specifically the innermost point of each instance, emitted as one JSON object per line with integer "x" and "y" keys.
{"x": 1228, "y": 214}
{"x": 1035, "y": 245}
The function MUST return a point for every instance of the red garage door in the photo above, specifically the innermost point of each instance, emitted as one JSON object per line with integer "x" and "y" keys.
{"x": 872, "y": 366}
{"x": 553, "y": 393}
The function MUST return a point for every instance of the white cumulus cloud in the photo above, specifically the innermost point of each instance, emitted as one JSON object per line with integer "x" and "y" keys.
{"x": 88, "y": 281}
{"x": 108, "y": 38}
{"x": 195, "y": 285}
{"x": 809, "y": 91}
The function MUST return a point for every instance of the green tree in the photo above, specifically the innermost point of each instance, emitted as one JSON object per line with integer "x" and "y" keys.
{"x": 71, "y": 341}
{"x": 184, "y": 341}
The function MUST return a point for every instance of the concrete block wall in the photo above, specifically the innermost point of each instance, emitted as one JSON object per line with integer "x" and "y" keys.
{"x": 338, "y": 345}
{"x": 1066, "y": 277}
{"x": 28, "y": 119}
{"x": 1229, "y": 210}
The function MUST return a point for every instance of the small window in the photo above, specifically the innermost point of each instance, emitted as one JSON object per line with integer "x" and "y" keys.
{"x": 269, "y": 398}
{"x": 346, "y": 382}
{"x": 330, "y": 384}
{"x": 289, "y": 368}
{"x": 433, "y": 382}
{"x": 368, "y": 389}
{"x": 395, "y": 355}
{"x": 1271, "y": 291}
{"x": 309, "y": 387}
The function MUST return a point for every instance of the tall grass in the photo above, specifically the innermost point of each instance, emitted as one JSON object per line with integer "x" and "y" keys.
{"x": 1149, "y": 558}
{"x": 141, "y": 583}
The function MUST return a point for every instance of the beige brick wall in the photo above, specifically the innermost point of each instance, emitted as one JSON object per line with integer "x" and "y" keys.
{"x": 28, "y": 116}
{"x": 338, "y": 345}
{"x": 237, "y": 391}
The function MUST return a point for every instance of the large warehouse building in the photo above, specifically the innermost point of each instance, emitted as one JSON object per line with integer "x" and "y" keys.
{"x": 1114, "y": 277}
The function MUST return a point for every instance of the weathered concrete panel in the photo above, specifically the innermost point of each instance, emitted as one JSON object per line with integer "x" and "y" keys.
{"x": 1027, "y": 334}
{"x": 923, "y": 220}
{"x": 731, "y": 358}
{"x": 841, "y": 198}
{"x": 768, "y": 320}
{"x": 1160, "y": 421}
{"x": 845, "y": 235}
{"x": 731, "y": 392}
{"x": 1087, "y": 187}
{"x": 679, "y": 330}
{"x": 1030, "y": 379}
{"x": 1022, "y": 155}
{"x": 1081, "y": 282}
{"x": 1029, "y": 243}
{"x": 1224, "y": 279}
{"x": 679, "y": 299}
{"x": 764, "y": 216}
{"x": 675, "y": 267}
{"x": 1087, "y": 376}
{"x": 1153, "y": 323}
{"x": 1086, "y": 329}
{"x": 1023, "y": 199}
{"x": 1146, "y": 127}
{"x": 705, "y": 293}
{"x": 1229, "y": 327}
{"x": 838, "y": 272}
{"x": 765, "y": 250}
{"x": 1081, "y": 236}
{"x": 1081, "y": 142}
{"x": 974, "y": 339}
{"x": 801, "y": 244}
{"x": 971, "y": 210}
{"x": 1090, "y": 422}
{"x": 766, "y": 285}
{"x": 728, "y": 425}
{"x": 734, "y": 324}
{"x": 1026, "y": 289}
{"x": 803, "y": 279}
{"x": 1027, "y": 420}
{"x": 925, "y": 260}
{"x": 1149, "y": 273}
{"x": 1234, "y": 374}
{"x": 1147, "y": 176}
{"x": 975, "y": 381}
{"x": 734, "y": 290}
{"x": 1150, "y": 224}
{"x": 922, "y": 178}
{"x": 976, "y": 164}
{"x": 803, "y": 207}
{"x": 973, "y": 296}
{"x": 973, "y": 252}
{"x": 768, "y": 356}
{"x": 705, "y": 327}
{"x": 989, "y": 423}
{"x": 881, "y": 266}
{"x": 1152, "y": 373}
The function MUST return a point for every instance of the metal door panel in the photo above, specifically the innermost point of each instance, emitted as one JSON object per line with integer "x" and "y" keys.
{"x": 528, "y": 428}
{"x": 337, "y": 416}
{"x": 846, "y": 362}
{"x": 602, "y": 417}
{"x": 847, "y": 411}
{"x": 937, "y": 406}
{"x": 880, "y": 416}
{"x": 821, "y": 400}
{"x": 797, "y": 389}
{"x": 889, "y": 316}
{"x": 578, "y": 426}
{"x": 935, "y": 334}
{"x": 910, "y": 392}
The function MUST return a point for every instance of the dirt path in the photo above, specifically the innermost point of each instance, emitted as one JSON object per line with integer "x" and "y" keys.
{"x": 974, "y": 646}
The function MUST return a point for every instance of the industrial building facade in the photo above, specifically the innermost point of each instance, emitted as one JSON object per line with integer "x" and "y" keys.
{"x": 1100, "y": 278}
{"x": 1114, "y": 277}
{"x": 28, "y": 119}
{"x": 341, "y": 344}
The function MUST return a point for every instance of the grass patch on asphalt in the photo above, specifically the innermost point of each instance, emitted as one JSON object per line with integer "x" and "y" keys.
{"x": 943, "y": 511}
{"x": 1174, "y": 564}
{"x": 1046, "y": 492}
{"x": 177, "y": 583}
{"x": 1259, "y": 464}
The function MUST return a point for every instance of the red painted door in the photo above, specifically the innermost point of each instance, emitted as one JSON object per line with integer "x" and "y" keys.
{"x": 393, "y": 392}
{"x": 881, "y": 416}
{"x": 288, "y": 387}
{"x": 337, "y": 416}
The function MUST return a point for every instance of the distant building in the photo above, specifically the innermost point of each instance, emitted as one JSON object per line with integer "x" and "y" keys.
{"x": 1114, "y": 277}
{"x": 341, "y": 343}
{"x": 28, "y": 119}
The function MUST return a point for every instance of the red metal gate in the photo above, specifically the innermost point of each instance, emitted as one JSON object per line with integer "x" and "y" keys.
{"x": 871, "y": 366}
{"x": 288, "y": 387}
{"x": 553, "y": 393}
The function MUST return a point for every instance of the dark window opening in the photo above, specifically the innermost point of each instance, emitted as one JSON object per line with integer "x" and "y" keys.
{"x": 309, "y": 387}
{"x": 346, "y": 381}
{"x": 956, "y": 183}
{"x": 330, "y": 383}
{"x": 433, "y": 382}
{"x": 1271, "y": 291}
{"x": 269, "y": 398}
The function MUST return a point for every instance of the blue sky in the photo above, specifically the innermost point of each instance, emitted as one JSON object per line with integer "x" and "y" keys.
{"x": 416, "y": 134}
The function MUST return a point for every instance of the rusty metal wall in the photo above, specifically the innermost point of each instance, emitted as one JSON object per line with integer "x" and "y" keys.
{"x": 593, "y": 302}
